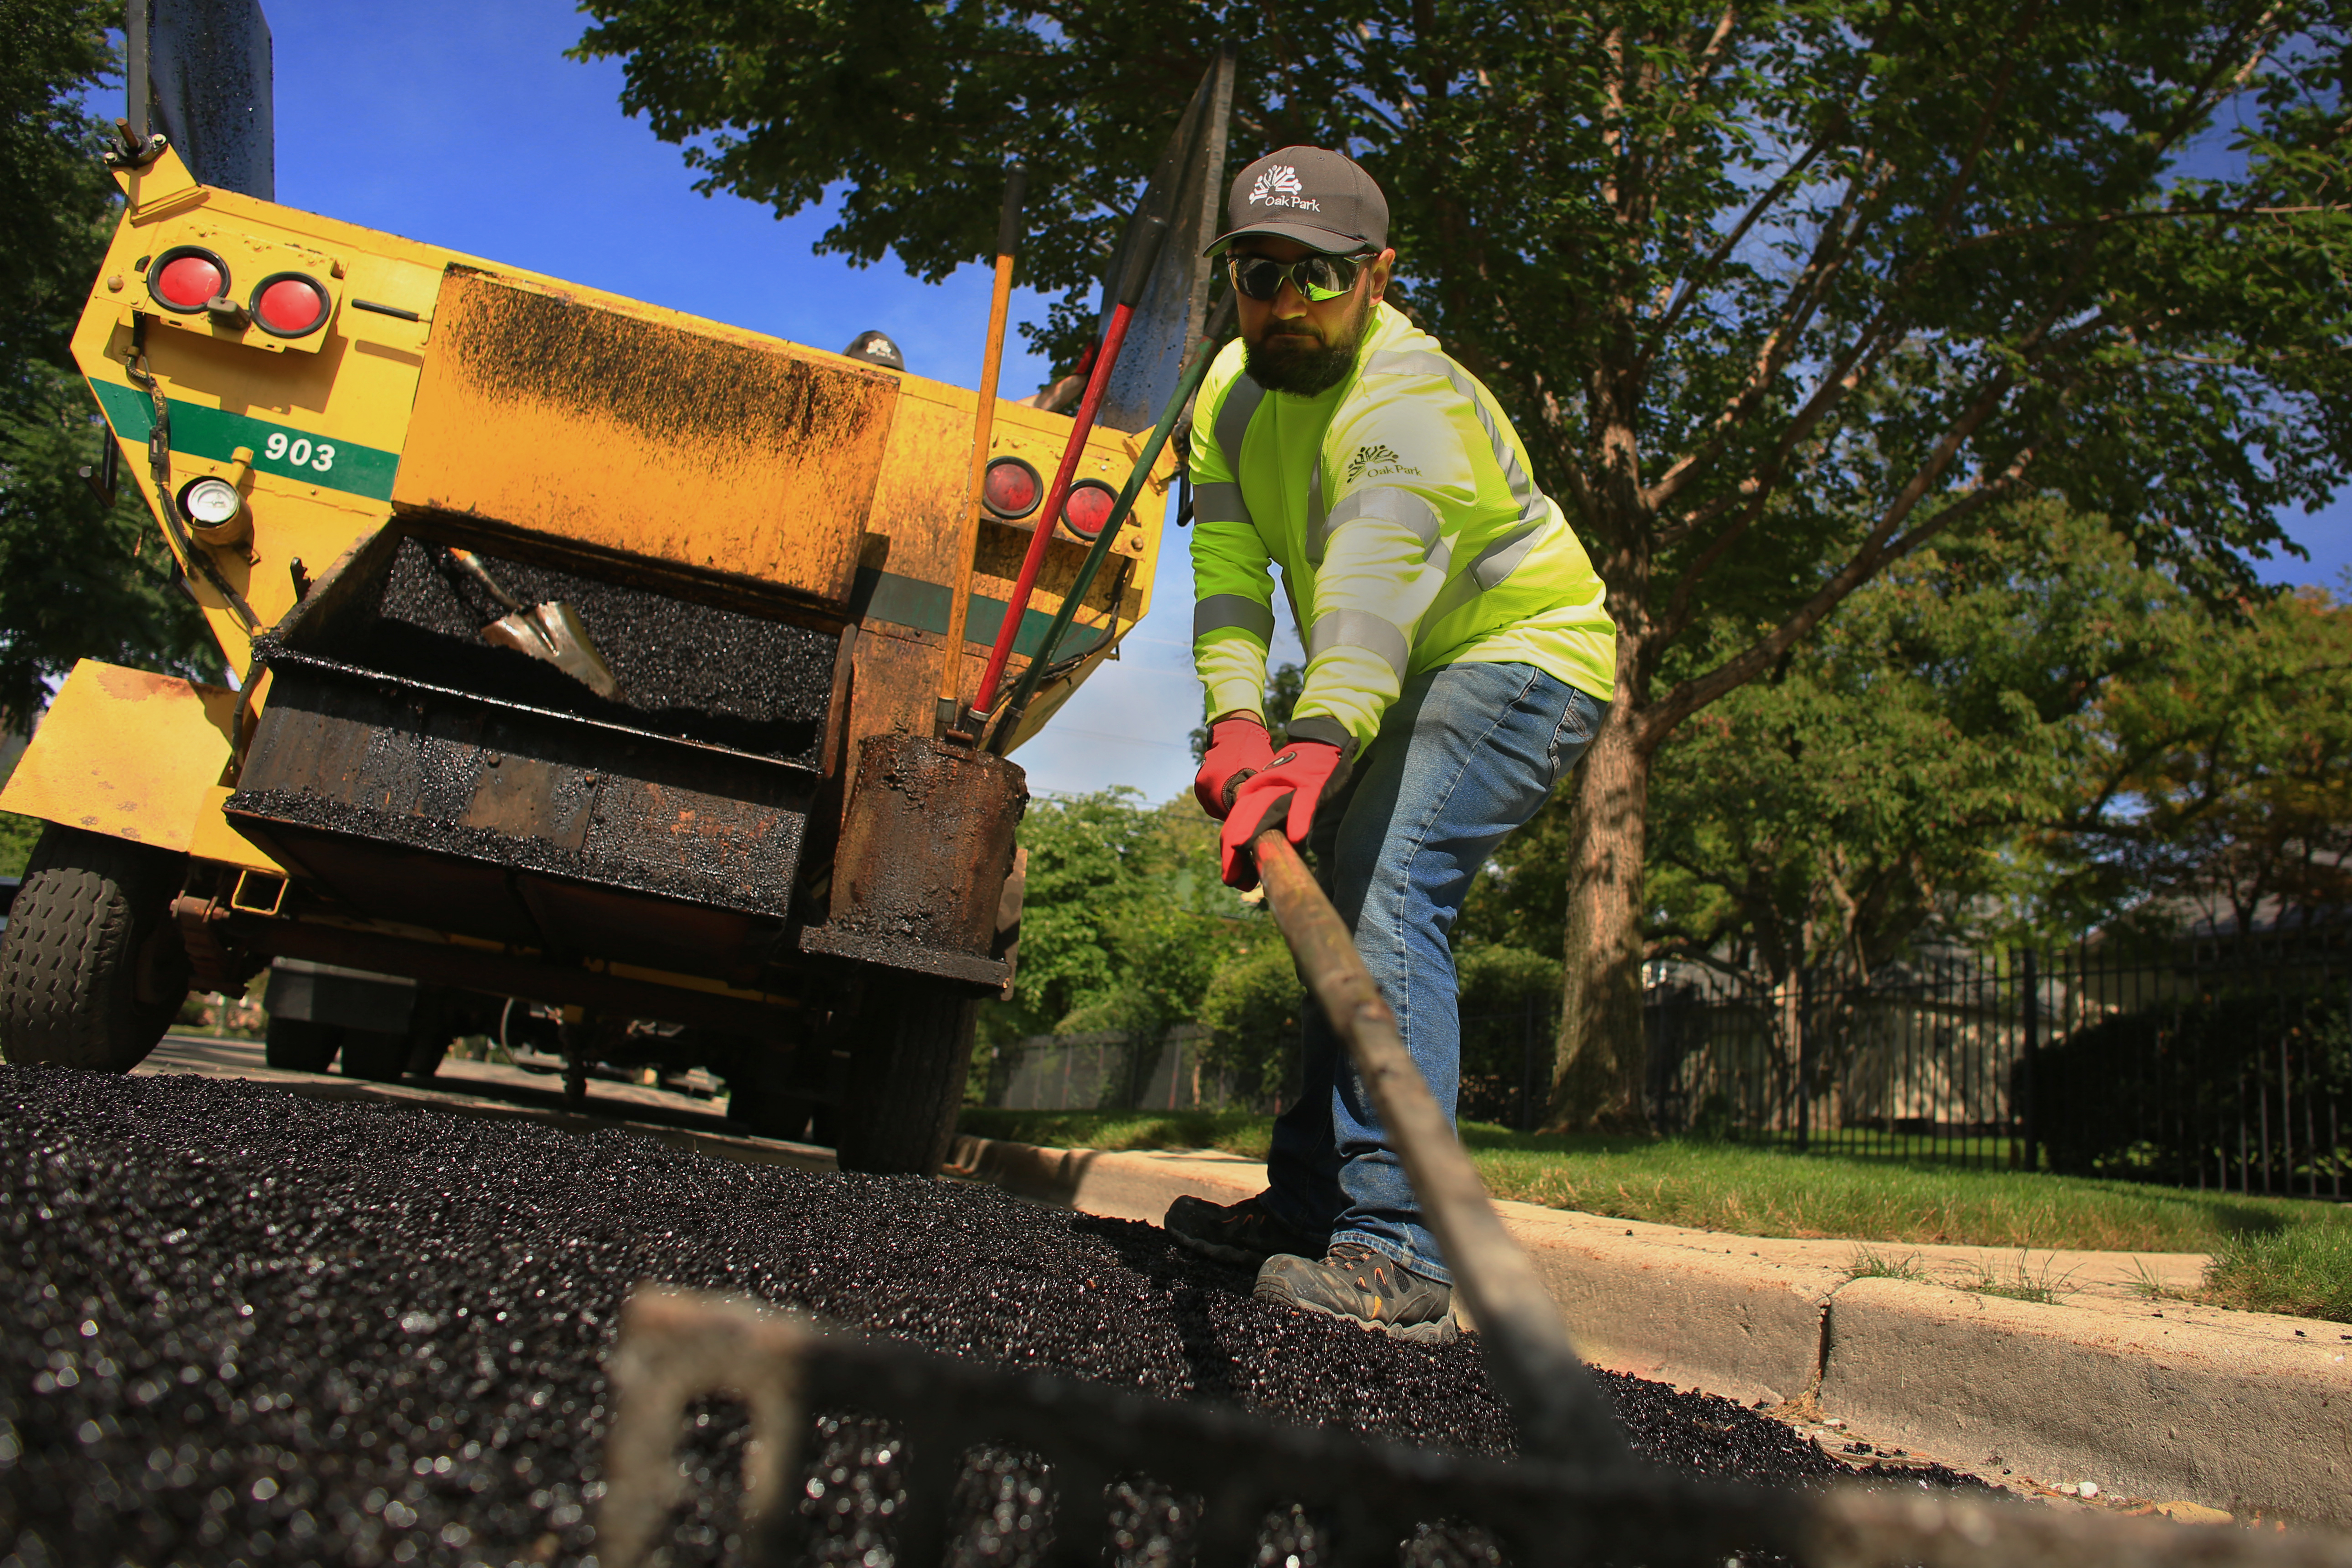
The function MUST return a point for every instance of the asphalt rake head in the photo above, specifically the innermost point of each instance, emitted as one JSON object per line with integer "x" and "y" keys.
{"x": 871, "y": 1454}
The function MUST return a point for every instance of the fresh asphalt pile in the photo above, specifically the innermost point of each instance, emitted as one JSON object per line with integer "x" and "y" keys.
{"x": 688, "y": 669}
{"x": 236, "y": 1325}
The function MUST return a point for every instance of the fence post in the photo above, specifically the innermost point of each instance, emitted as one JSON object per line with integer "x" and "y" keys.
{"x": 2029, "y": 999}
{"x": 2286, "y": 1121}
{"x": 1805, "y": 1058}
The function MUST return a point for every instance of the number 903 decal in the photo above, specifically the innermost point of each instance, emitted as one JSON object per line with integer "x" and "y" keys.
{"x": 298, "y": 451}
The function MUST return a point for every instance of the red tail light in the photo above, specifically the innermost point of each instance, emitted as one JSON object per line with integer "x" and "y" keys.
{"x": 288, "y": 305}
{"x": 1088, "y": 508}
{"x": 185, "y": 278}
{"x": 1011, "y": 488}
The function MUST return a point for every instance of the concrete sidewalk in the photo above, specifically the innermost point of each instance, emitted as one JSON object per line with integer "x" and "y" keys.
{"x": 2149, "y": 1398}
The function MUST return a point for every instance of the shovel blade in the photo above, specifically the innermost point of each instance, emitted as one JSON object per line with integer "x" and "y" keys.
{"x": 553, "y": 632}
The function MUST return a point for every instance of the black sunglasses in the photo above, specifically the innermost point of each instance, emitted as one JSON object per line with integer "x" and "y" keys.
{"x": 1316, "y": 278}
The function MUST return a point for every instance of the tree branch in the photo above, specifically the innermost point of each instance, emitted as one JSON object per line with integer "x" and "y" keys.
{"x": 1846, "y": 369}
{"x": 1702, "y": 64}
{"x": 1696, "y": 281}
{"x": 1965, "y": 175}
{"x": 1832, "y": 249}
{"x": 1877, "y": 548}
{"x": 1779, "y": 345}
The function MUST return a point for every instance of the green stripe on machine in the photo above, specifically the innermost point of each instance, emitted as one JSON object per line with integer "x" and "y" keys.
{"x": 279, "y": 449}
{"x": 368, "y": 471}
{"x": 911, "y": 602}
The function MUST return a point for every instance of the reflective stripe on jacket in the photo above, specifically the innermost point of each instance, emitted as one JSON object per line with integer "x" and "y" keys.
{"x": 1410, "y": 535}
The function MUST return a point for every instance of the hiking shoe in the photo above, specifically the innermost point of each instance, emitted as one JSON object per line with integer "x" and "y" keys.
{"x": 1243, "y": 1233}
{"x": 1364, "y": 1288}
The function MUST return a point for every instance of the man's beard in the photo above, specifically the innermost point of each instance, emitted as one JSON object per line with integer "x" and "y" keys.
{"x": 1301, "y": 363}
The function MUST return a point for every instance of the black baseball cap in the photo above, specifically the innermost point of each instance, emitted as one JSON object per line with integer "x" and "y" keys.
{"x": 876, "y": 347}
{"x": 1318, "y": 198}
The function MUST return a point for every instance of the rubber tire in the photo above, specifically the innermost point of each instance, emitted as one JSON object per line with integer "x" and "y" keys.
{"x": 92, "y": 970}
{"x": 298, "y": 1045}
{"x": 907, "y": 1082}
{"x": 380, "y": 1055}
{"x": 768, "y": 1114}
{"x": 430, "y": 1029}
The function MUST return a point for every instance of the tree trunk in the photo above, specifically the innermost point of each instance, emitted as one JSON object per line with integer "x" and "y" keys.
{"x": 1600, "y": 1054}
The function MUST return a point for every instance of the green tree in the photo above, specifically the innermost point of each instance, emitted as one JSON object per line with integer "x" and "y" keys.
{"x": 1894, "y": 776}
{"x": 2220, "y": 786}
{"x": 1881, "y": 782}
{"x": 79, "y": 578}
{"x": 1124, "y": 921}
{"x": 1254, "y": 1008}
{"x": 1779, "y": 295}
{"x": 52, "y": 193}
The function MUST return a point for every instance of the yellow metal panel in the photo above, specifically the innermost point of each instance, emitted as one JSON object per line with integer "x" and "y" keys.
{"x": 913, "y": 534}
{"x": 126, "y": 753}
{"x": 683, "y": 503}
{"x": 345, "y": 406}
{"x": 213, "y": 839}
{"x": 626, "y": 428}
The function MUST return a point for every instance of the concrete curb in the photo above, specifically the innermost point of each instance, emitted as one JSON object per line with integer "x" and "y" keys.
{"x": 2243, "y": 1411}
{"x": 1730, "y": 1324}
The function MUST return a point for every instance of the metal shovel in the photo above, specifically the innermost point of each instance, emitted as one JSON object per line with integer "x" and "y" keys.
{"x": 552, "y": 631}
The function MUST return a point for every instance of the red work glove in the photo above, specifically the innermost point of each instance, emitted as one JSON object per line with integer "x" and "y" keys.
{"x": 1284, "y": 794}
{"x": 1238, "y": 747}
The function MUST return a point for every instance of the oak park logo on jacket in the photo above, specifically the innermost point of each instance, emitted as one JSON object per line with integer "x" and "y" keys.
{"x": 1381, "y": 460}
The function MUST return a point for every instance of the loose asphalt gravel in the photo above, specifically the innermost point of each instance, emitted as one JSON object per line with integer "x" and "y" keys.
{"x": 241, "y": 1326}
{"x": 721, "y": 676}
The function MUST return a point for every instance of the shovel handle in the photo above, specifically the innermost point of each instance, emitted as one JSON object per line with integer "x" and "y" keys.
{"x": 1008, "y": 241}
{"x": 467, "y": 559}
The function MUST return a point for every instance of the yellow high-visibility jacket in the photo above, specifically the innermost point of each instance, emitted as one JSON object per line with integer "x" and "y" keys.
{"x": 1410, "y": 535}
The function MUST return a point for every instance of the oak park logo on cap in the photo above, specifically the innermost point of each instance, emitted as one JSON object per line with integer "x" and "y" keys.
{"x": 1310, "y": 194}
{"x": 1279, "y": 186}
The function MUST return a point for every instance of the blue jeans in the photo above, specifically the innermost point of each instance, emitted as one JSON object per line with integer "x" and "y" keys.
{"x": 1467, "y": 753}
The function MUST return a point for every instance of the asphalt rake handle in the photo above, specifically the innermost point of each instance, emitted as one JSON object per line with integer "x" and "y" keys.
{"x": 1526, "y": 1349}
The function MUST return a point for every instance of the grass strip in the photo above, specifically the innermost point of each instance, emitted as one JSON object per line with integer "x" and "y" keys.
{"x": 2305, "y": 1271}
{"x": 1756, "y": 1190}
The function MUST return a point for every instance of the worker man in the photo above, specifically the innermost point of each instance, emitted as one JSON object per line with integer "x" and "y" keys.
{"x": 1459, "y": 656}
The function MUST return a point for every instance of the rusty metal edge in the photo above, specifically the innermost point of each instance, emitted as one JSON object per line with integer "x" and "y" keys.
{"x": 859, "y": 947}
{"x": 676, "y": 1345}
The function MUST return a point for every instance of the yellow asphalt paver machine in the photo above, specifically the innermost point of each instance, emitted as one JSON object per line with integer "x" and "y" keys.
{"x": 581, "y": 652}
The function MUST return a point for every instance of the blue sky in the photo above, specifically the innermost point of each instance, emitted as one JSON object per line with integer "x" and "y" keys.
{"x": 464, "y": 125}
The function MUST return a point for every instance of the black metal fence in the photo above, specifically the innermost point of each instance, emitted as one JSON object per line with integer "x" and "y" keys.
{"x": 2203, "y": 1063}
{"x": 1111, "y": 1072}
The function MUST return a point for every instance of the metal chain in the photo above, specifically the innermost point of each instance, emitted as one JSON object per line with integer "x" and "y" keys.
{"x": 159, "y": 434}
